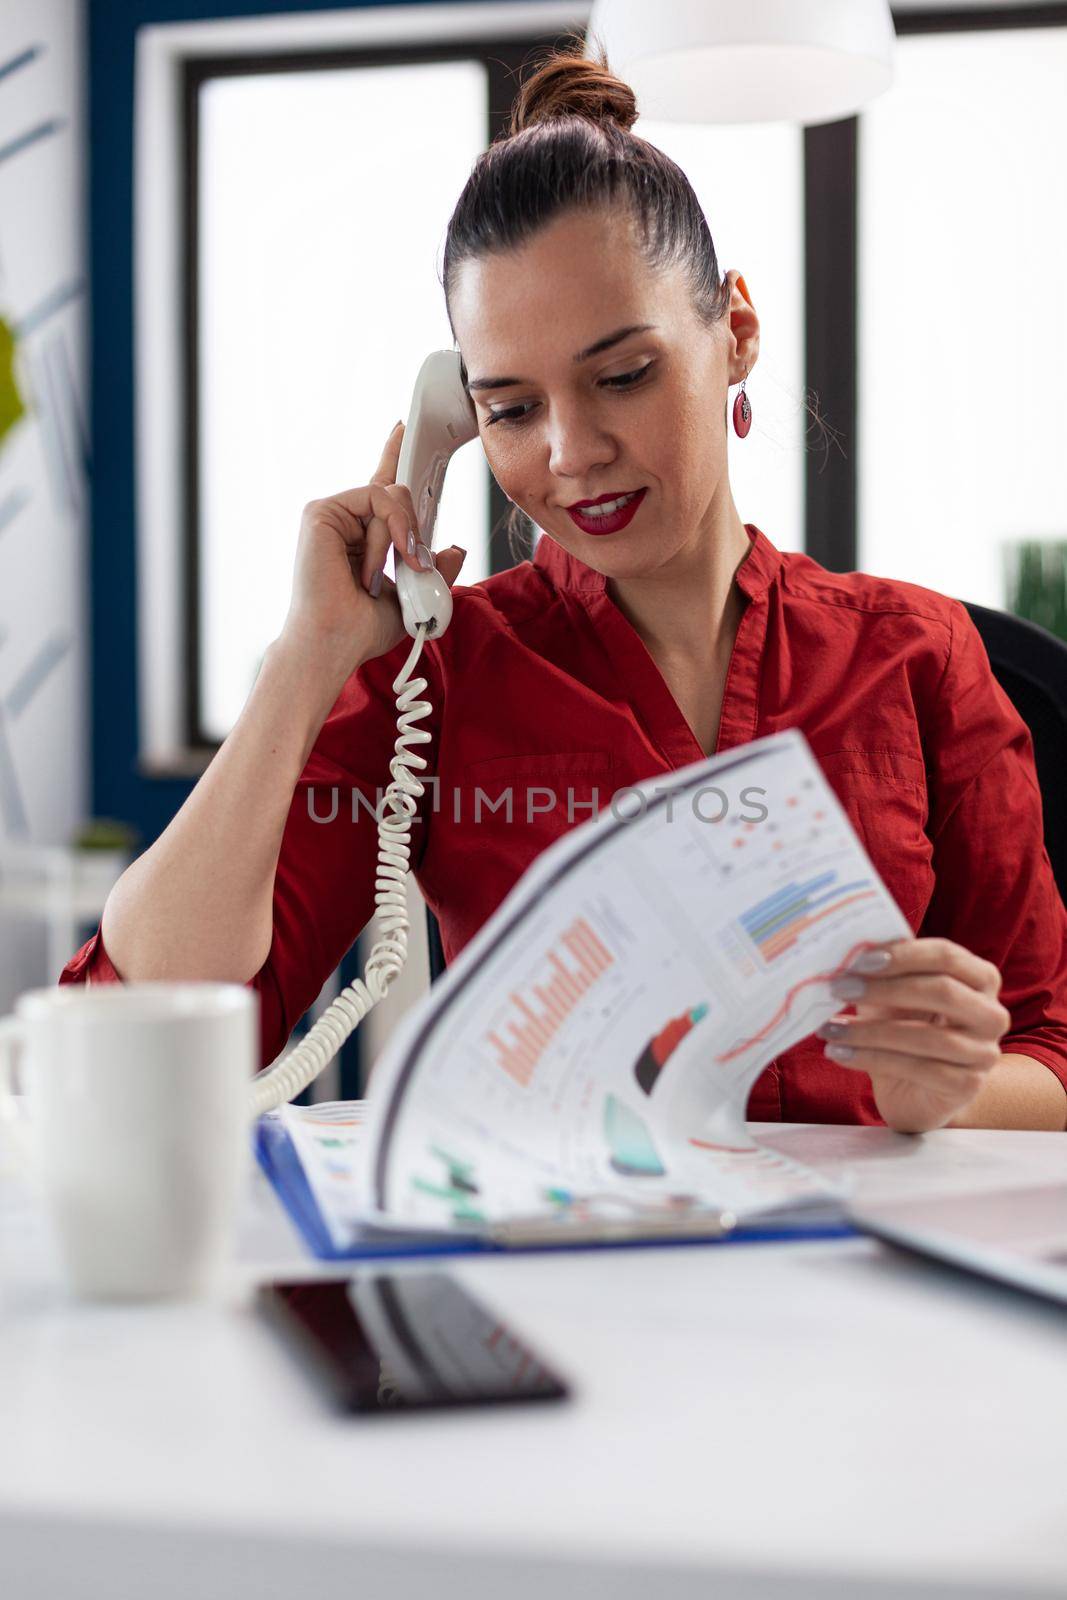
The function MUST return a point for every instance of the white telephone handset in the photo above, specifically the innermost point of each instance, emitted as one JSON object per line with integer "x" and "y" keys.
{"x": 441, "y": 419}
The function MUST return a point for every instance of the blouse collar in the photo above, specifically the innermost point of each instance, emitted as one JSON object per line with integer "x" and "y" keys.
{"x": 564, "y": 571}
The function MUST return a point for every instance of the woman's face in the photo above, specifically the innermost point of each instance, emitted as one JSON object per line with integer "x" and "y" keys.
{"x": 570, "y": 430}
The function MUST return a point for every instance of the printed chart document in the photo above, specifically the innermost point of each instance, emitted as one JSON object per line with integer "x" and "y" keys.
{"x": 591, "y": 1051}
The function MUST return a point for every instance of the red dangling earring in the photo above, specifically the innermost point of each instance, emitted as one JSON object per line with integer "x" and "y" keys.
{"x": 742, "y": 411}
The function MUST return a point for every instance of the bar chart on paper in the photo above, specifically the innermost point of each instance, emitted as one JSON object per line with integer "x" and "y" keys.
{"x": 796, "y": 885}
{"x": 531, "y": 1020}
{"x": 775, "y": 923}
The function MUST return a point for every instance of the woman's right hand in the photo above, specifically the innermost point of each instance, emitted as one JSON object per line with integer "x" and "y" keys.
{"x": 343, "y": 609}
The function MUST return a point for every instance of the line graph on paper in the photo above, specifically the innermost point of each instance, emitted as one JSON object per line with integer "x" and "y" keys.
{"x": 533, "y": 1015}
{"x": 794, "y": 875}
{"x": 801, "y": 913}
{"x": 796, "y": 884}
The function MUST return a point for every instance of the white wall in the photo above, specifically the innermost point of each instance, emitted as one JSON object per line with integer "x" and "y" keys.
{"x": 44, "y": 698}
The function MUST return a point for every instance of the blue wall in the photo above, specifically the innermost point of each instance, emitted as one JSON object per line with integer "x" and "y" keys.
{"x": 117, "y": 788}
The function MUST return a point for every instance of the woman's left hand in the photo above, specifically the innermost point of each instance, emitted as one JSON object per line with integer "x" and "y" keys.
{"x": 927, "y": 1029}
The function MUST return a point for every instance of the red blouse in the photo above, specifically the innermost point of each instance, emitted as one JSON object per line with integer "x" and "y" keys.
{"x": 542, "y": 688}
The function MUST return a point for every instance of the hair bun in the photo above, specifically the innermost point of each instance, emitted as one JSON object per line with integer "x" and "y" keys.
{"x": 570, "y": 84}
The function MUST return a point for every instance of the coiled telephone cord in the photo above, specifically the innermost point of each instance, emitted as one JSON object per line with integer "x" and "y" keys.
{"x": 286, "y": 1078}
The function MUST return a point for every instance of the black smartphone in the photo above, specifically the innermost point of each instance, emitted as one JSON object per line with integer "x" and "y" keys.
{"x": 400, "y": 1341}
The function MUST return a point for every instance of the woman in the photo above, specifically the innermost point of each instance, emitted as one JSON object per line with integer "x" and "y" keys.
{"x": 599, "y": 345}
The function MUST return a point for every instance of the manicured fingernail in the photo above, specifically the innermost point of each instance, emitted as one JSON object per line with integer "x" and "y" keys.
{"x": 411, "y": 543}
{"x": 839, "y": 1052}
{"x": 425, "y": 558}
{"x": 870, "y": 961}
{"x": 848, "y": 988}
{"x": 376, "y": 584}
{"x": 832, "y": 1030}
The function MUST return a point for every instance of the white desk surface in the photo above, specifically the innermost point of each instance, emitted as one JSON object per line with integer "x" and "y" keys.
{"x": 819, "y": 1420}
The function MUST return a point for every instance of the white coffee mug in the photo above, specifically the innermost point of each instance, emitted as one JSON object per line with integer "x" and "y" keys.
{"x": 135, "y": 1127}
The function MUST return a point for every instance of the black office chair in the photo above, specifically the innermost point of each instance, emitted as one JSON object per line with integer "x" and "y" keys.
{"x": 433, "y": 939}
{"x": 1030, "y": 664}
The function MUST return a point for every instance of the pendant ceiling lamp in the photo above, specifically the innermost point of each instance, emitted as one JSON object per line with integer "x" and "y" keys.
{"x": 802, "y": 61}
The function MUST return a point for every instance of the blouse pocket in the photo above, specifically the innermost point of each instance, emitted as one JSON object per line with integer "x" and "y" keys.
{"x": 883, "y": 792}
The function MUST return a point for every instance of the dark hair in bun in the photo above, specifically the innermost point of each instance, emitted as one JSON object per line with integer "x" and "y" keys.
{"x": 568, "y": 148}
{"x": 573, "y": 85}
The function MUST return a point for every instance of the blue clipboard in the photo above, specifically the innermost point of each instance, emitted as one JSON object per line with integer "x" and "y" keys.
{"x": 277, "y": 1156}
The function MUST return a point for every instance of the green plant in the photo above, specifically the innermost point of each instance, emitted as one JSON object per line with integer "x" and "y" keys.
{"x": 1036, "y": 582}
{"x": 105, "y": 833}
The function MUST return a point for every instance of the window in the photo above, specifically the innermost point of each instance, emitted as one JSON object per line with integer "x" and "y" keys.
{"x": 269, "y": 372}
{"x": 321, "y": 218}
{"x": 963, "y": 327}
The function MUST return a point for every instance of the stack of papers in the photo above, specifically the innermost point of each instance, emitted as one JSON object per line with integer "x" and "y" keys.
{"x": 587, "y": 1060}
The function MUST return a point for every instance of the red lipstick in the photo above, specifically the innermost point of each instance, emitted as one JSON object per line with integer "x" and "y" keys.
{"x": 613, "y": 521}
